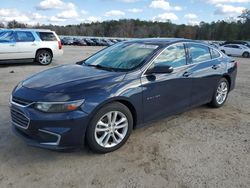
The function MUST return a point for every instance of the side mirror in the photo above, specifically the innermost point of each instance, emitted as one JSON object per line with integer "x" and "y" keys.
{"x": 160, "y": 69}
{"x": 79, "y": 62}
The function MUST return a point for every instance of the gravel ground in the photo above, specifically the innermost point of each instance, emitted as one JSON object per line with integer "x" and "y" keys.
{"x": 203, "y": 147}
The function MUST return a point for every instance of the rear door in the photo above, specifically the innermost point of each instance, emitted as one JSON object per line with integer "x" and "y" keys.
{"x": 26, "y": 44}
{"x": 206, "y": 72}
{"x": 169, "y": 93}
{"x": 8, "y": 48}
{"x": 236, "y": 50}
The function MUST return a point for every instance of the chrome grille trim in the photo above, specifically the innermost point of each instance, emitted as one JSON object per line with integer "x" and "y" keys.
{"x": 20, "y": 102}
{"x": 19, "y": 119}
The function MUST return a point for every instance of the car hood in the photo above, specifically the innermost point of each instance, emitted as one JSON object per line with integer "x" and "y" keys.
{"x": 71, "y": 78}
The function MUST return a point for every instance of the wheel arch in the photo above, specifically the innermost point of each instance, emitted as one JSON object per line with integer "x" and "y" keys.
{"x": 227, "y": 77}
{"x": 48, "y": 49}
{"x": 124, "y": 101}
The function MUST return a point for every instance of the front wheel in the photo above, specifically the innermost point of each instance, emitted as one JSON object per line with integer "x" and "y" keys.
{"x": 221, "y": 93}
{"x": 44, "y": 57}
{"x": 109, "y": 128}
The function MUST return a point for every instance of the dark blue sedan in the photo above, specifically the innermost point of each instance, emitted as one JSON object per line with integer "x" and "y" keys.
{"x": 103, "y": 98}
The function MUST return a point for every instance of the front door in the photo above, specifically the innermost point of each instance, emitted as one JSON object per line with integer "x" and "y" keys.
{"x": 166, "y": 94}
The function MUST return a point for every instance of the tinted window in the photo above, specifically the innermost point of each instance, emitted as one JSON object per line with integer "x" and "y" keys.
{"x": 6, "y": 36}
{"x": 235, "y": 46}
{"x": 214, "y": 53}
{"x": 24, "y": 36}
{"x": 173, "y": 56}
{"x": 47, "y": 36}
{"x": 199, "y": 53}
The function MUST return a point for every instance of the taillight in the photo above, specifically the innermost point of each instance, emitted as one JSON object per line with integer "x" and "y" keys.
{"x": 236, "y": 63}
{"x": 59, "y": 45}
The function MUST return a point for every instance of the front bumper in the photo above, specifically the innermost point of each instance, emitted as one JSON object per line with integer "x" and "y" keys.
{"x": 57, "y": 131}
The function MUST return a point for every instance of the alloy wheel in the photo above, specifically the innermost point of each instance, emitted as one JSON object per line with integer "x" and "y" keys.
{"x": 111, "y": 129}
{"x": 222, "y": 92}
{"x": 44, "y": 58}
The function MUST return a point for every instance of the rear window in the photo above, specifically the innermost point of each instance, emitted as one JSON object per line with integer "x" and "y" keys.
{"x": 47, "y": 36}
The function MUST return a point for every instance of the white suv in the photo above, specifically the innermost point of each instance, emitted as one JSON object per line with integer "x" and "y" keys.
{"x": 29, "y": 44}
{"x": 236, "y": 50}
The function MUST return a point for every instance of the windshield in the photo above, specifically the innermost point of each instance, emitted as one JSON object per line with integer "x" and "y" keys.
{"x": 122, "y": 56}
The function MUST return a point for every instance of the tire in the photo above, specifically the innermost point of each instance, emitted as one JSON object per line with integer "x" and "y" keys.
{"x": 44, "y": 57}
{"x": 101, "y": 134}
{"x": 221, "y": 93}
{"x": 246, "y": 54}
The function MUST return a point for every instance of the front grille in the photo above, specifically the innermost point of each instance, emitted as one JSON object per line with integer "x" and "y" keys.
{"x": 19, "y": 118}
{"x": 22, "y": 102}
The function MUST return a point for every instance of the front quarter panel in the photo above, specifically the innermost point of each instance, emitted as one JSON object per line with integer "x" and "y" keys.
{"x": 127, "y": 91}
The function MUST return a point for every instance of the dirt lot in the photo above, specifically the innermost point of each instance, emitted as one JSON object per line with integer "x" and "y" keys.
{"x": 203, "y": 147}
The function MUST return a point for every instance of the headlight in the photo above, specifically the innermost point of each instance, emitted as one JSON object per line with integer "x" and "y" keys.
{"x": 58, "y": 107}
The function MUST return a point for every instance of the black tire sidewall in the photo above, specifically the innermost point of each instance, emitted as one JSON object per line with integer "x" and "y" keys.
{"x": 90, "y": 133}
{"x": 43, "y": 51}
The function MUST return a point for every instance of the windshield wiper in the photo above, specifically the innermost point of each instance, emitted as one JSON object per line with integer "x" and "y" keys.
{"x": 102, "y": 67}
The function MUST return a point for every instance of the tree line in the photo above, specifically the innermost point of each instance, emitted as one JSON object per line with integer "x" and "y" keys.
{"x": 134, "y": 28}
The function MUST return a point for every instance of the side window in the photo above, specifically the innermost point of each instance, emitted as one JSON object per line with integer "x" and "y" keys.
{"x": 24, "y": 36}
{"x": 235, "y": 46}
{"x": 199, "y": 53}
{"x": 47, "y": 36}
{"x": 6, "y": 36}
{"x": 174, "y": 56}
{"x": 214, "y": 53}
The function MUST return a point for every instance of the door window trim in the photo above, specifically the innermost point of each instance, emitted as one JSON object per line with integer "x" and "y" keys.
{"x": 15, "y": 35}
{"x": 152, "y": 60}
{"x": 187, "y": 58}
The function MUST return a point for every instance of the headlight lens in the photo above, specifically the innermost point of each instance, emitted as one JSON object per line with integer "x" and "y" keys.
{"x": 58, "y": 107}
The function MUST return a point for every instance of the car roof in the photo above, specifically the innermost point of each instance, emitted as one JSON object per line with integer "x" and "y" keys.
{"x": 27, "y": 29}
{"x": 163, "y": 41}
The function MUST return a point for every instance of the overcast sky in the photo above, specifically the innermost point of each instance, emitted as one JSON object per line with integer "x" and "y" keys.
{"x": 63, "y": 12}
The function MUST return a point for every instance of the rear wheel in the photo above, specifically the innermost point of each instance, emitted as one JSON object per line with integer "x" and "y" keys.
{"x": 246, "y": 54}
{"x": 44, "y": 57}
{"x": 221, "y": 93}
{"x": 109, "y": 128}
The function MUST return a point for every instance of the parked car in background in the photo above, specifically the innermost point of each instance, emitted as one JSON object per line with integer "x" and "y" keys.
{"x": 89, "y": 42}
{"x": 29, "y": 45}
{"x": 99, "y": 42}
{"x": 79, "y": 42}
{"x": 103, "y": 98}
{"x": 236, "y": 50}
{"x": 109, "y": 42}
{"x": 246, "y": 43}
{"x": 67, "y": 41}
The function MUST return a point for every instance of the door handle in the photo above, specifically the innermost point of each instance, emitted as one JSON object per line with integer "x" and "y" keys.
{"x": 12, "y": 45}
{"x": 187, "y": 74}
{"x": 215, "y": 67}
{"x": 33, "y": 44}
